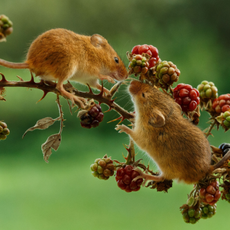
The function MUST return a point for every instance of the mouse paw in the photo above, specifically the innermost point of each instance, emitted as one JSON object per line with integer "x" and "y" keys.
{"x": 147, "y": 177}
{"x": 123, "y": 128}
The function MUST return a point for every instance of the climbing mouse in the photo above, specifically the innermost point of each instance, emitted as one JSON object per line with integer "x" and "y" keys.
{"x": 178, "y": 147}
{"x": 61, "y": 55}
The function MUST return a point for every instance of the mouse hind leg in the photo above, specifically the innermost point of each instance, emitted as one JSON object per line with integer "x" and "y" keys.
{"x": 80, "y": 101}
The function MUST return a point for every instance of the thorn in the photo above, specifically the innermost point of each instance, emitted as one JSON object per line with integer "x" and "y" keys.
{"x": 3, "y": 78}
{"x": 19, "y": 78}
{"x": 45, "y": 93}
{"x": 102, "y": 90}
{"x": 121, "y": 118}
{"x": 32, "y": 78}
{"x": 90, "y": 89}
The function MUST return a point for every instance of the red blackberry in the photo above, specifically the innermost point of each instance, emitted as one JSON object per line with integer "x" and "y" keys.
{"x": 222, "y": 103}
{"x": 91, "y": 117}
{"x": 124, "y": 178}
{"x": 186, "y": 96}
{"x": 148, "y": 49}
{"x": 210, "y": 194}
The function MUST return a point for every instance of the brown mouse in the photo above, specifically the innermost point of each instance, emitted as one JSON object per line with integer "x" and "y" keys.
{"x": 179, "y": 148}
{"x": 61, "y": 55}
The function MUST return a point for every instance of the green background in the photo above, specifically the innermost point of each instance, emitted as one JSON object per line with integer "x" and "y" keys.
{"x": 63, "y": 194}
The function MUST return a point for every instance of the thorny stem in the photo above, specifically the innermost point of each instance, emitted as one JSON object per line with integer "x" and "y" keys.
{"x": 131, "y": 153}
{"x": 210, "y": 128}
{"x": 51, "y": 88}
{"x": 61, "y": 117}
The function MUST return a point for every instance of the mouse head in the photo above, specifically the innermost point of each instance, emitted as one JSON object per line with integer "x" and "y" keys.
{"x": 110, "y": 62}
{"x": 151, "y": 105}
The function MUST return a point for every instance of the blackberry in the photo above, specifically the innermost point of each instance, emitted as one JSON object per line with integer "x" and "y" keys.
{"x": 103, "y": 168}
{"x": 165, "y": 74}
{"x": 91, "y": 117}
{"x": 187, "y": 97}
{"x": 222, "y": 103}
{"x": 190, "y": 214}
{"x": 210, "y": 194}
{"x": 4, "y": 131}
{"x": 208, "y": 211}
{"x": 225, "y": 147}
{"x": 125, "y": 179}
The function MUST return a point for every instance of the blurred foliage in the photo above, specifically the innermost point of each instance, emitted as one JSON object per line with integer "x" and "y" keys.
{"x": 193, "y": 34}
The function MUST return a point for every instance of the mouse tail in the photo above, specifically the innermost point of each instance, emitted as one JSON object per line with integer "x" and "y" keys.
{"x": 13, "y": 65}
{"x": 221, "y": 162}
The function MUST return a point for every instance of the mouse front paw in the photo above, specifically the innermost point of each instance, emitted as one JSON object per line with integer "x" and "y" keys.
{"x": 123, "y": 128}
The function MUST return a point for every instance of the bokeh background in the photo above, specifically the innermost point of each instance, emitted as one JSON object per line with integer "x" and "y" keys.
{"x": 62, "y": 194}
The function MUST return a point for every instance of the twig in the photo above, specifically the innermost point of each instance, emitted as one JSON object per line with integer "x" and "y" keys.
{"x": 51, "y": 88}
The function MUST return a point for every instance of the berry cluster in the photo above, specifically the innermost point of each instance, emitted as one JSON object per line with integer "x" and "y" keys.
{"x": 103, "y": 168}
{"x": 222, "y": 103}
{"x": 4, "y": 131}
{"x": 207, "y": 90}
{"x": 5, "y": 26}
{"x": 210, "y": 194}
{"x": 148, "y": 49}
{"x": 208, "y": 211}
{"x": 91, "y": 117}
{"x": 125, "y": 178}
{"x": 187, "y": 97}
{"x": 165, "y": 74}
{"x": 190, "y": 214}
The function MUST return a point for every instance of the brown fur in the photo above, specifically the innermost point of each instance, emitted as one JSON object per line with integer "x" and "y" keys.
{"x": 60, "y": 55}
{"x": 179, "y": 148}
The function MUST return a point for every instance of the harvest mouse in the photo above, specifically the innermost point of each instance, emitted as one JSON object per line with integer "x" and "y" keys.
{"x": 61, "y": 55}
{"x": 179, "y": 148}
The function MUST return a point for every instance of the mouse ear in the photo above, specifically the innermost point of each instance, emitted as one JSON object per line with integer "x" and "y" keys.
{"x": 157, "y": 119}
{"x": 97, "y": 40}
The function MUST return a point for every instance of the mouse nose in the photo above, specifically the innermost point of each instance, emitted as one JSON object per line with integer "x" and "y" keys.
{"x": 134, "y": 87}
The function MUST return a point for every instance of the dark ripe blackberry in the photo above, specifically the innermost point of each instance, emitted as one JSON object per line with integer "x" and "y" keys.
{"x": 225, "y": 147}
{"x": 125, "y": 178}
{"x": 91, "y": 117}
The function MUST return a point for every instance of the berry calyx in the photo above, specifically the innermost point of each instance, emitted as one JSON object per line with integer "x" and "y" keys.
{"x": 187, "y": 97}
{"x": 125, "y": 177}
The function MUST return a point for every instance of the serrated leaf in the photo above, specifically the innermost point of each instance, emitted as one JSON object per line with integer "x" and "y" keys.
{"x": 52, "y": 142}
{"x": 43, "y": 123}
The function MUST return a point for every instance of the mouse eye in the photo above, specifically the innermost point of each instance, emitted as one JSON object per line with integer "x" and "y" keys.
{"x": 116, "y": 60}
{"x": 143, "y": 95}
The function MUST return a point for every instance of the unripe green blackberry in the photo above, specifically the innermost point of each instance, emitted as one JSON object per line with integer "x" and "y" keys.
{"x": 190, "y": 214}
{"x": 4, "y": 131}
{"x": 208, "y": 211}
{"x": 138, "y": 64}
{"x": 103, "y": 168}
{"x": 5, "y": 26}
{"x": 224, "y": 120}
{"x": 207, "y": 90}
{"x": 166, "y": 74}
